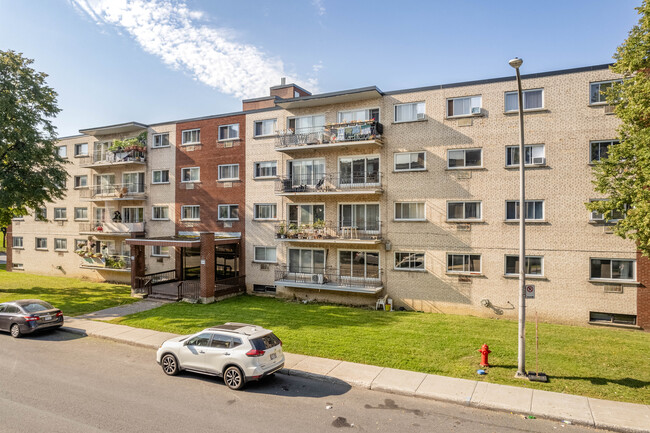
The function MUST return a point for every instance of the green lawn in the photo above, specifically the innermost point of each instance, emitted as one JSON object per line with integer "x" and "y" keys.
{"x": 71, "y": 295}
{"x": 596, "y": 362}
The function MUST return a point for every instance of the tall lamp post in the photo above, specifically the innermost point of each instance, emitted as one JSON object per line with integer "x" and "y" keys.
{"x": 521, "y": 358}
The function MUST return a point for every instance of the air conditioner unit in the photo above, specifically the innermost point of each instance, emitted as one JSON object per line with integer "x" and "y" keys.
{"x": 539, "y": 160}
{"x": 317, "y": 278}
{"x": 420, "y": 116}
{"x": 595, "y": 216}
{"x": 609, "y": 109}
{"x": 228, "y": 144}
{"x": 476, "y": 110}
{"x": 264, "y": 266}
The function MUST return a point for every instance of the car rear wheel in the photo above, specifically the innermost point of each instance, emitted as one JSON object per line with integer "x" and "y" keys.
{"x": 233, "y": 377}
{"x": 15, "y": 331}
{"x": 169, "y": 365}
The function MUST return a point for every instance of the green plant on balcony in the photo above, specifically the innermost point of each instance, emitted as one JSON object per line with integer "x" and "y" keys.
{"x": 282, "y": 231}
{"x": 138, "y": 143}
{"x": 293, "y": 230}
{"x": 115, "y": 262}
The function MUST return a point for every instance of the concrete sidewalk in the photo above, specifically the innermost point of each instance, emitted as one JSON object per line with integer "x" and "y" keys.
{"x": 624, "y": 417}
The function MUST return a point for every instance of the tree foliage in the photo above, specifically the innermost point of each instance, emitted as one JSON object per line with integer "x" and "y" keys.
{"x": 31, "y": 172}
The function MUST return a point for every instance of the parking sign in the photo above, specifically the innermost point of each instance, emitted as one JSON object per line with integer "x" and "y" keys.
{"x": 530, "y": 291}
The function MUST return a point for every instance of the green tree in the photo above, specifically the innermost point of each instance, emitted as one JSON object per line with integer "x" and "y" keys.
{"x": 31, "y": 172}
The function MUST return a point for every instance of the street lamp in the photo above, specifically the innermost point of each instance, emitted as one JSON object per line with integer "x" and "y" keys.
{"x": 521, "y": 358}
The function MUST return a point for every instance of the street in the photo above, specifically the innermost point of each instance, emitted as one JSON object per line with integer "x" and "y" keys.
{"x": 61, "y": 382}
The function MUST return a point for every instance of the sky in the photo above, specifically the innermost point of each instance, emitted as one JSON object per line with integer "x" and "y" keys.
{"x": 114, "y": 61}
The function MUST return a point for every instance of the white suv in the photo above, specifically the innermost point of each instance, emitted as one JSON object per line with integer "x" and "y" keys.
{"x": 236, "y": 351}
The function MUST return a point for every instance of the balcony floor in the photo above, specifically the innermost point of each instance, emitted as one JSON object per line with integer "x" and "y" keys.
{"x": 336, "y": 145}
{"x": 332, "y": 241}
{"x": 331, "y": 287}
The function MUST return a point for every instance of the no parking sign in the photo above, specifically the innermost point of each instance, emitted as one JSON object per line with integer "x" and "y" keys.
{"x": 530, "y": 291}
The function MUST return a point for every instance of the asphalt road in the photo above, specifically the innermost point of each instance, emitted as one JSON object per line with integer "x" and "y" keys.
{"x": 61, "y": 382}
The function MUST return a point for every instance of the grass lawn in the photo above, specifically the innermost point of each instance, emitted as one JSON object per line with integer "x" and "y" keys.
{"x": 597, "y": 362}
{"x": 71, "y": 295}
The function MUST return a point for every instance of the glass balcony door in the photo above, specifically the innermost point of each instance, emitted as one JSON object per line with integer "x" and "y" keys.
{"x": 306, "y": 261}
{"x": 133, "y": 182}
{"x": 362, "y": 217}
{"x": 307, "y": 172}
{"x": 306, "y": 214}
{"x": 101, "y": 152}
{"x": 359, "y": 171}
{"x": 359, "y": 264}
{"x": 105, "y": 183}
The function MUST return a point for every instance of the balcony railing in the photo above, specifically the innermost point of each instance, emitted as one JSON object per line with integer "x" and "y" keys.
{"x": 111, "y": 228}
{"x": 330, "y": 183}
{"x": 347, "y": 231}
{"x": 106, "y": 261}
{"x": 328, "y": 279}
{"x": 100, "y": 158}
{"x": 356, "y": 131}
{"x": 117, "y": 190}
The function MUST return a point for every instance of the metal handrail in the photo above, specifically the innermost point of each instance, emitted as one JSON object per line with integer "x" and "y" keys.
{"x": 119, "y": 190}
{"x": 329, "y": 182}
{"x": 327, "y": 276}
{"x": 111, "y": 227}
{"x": 111, "y": 157}
{"x": 330, "y": 134}
{"x": 343, "y": 230}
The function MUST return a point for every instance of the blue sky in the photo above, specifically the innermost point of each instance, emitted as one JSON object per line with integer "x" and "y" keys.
{"x": 113, "y": 61}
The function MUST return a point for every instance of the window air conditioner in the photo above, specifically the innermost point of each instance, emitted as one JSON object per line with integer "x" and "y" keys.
{"x": 476, "y": 110}
{"x": 420, "y": 116}
{"x": 595, "y": 216}
{"x": 539, "y": 160}
{"x": 317, "y": 278}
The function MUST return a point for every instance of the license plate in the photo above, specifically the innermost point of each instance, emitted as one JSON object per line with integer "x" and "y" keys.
{"x": 273, "y": 356}
{"x": 46, "y": 317}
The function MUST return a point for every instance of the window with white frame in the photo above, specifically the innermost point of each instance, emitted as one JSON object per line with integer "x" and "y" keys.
{"x": 534, "y": 155}
{"x": 228, "y": 172}
{"x": 159, "y": 251}
{"x": 17, "y": 266}
{"x": 60, "y": 213}
{"x": 359, "y": 264}
{"x": 265, "y": 254}
{"x": 228, "y": 212}
{"x": 533, "y": 100}
{"x": 534, "y": 210}
{"x": 160, "y": 176}
{"x": 190, "y": 174}
{"x": 464, "y": 263}
{"x": 80, "y": 213}
{"x": 463, "y": 210}
{"x": 598, "y": 91}
{"x": 264, "y": 211}
{"x": 305, "y": 124}
{"x": 307, "y": 261}
{"x": 306, "y": 214}
{"x": 160, "y": 140}
{"x": 600, "y": 149}
{"x": 60, "y": 244}
{"x": 410, "y": 161}
{"x": 133, "y": 182}
{"x": 229, "y": 132}
{"x": 464, "y": 158}
{"x": 464, "y": 106}
{"x": 358, "y": 115}
{"x": 357, "y": 170}
{"x": 612, "y": 269}
{"x": 534, "y": 266}
{"x": 265, "y": 127}
{"x": 17, "y": 242}
{"x": 364, "y": 217}
{"x": 81, "y": 149}
{"x": 41, "y": 243}
{"x": 190, "y": 213}
{"x": 40, "y": 214}
{"x": 410, "y": 211}
{"x": 160, "y": 212}
{"x": 309, "y": 172}
{"x": 81, "y": 181}
{"x": 191, "y": 136}
{"x": 132, "y": 215}
{"x": 409, "y": 261}
{"x": 62, "y": 151}
{"x": 410, "y": 112}
{"x": 266, "y": 169}
{"x": 611, "y": 217}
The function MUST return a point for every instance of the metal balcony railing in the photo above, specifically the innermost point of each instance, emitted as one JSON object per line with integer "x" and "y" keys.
{"x": 111, "y": 227}
{"x": 116, "y": 190}
{"x": 106, "y": 261}
{"x": 354, "y": 131}
{"x": 329, "y": 278}
{"x": 321, "y": 230}
{"x": 330, "y": 182}
{"x": 110, "y": 158}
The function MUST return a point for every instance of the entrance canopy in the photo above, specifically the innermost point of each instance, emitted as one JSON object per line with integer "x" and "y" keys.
{"x": 181, "y": 241}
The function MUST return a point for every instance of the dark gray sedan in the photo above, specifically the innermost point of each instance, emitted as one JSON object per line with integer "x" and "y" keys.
{"x": 28, "y": 315}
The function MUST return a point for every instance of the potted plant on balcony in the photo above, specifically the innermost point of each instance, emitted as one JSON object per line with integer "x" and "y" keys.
{"x": 293, "y": 229}
{"x": 319, "y": 228}
{"x": 282, "y": 233}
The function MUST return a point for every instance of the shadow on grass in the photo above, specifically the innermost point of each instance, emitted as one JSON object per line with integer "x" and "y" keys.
{"x": 626, "y": 382}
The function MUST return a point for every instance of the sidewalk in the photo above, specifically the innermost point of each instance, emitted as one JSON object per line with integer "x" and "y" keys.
{"x": 624, "y": 417}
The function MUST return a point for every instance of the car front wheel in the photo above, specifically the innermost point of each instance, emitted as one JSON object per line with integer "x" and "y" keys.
{"x": 233, "y": 377}
{"x": 15, "y": 331}
{"x": 169, "y": 365}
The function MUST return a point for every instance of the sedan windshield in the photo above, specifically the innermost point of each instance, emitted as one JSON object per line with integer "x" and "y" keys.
{"x": 35, "y": 307}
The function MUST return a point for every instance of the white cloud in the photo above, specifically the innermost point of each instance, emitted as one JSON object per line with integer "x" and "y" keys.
{"x": 320, "y": 7}
{"x": 317, "y": 67}
{"x": 169, "y": 30}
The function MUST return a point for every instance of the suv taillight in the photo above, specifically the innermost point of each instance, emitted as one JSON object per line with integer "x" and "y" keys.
{"x": 255, "y": 352}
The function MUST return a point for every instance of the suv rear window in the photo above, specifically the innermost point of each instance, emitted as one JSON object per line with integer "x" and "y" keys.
{"x": 266, "y": 342}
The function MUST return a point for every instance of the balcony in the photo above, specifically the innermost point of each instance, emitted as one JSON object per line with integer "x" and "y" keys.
{"x": 357, "y": 133}
{"x": 107, "y": 262}
{"x": 111, "y": 159}
{"x": 330, "y": 184}
{"x": 327, "y": 279}
{"x": 117, "y": 191}
{"x": 328, "y": 233}
{"x": 111, "y": 228}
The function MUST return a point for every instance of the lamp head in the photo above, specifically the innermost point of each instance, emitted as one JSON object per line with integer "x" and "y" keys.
{"x": 516, "y": 62}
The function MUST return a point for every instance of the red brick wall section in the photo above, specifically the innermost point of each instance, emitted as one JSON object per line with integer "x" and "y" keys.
{"x": 207, "y": 266}
{"x": 137, "y": 263}
{"x": 9, "y": 244}
{"x": 643, "y": 291}
{"x": 257, "y": 105}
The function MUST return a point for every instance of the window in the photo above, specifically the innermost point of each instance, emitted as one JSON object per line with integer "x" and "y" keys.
{"x": 160, "y": 176}
{"x": 80, "y": 244}
{"x": 598, "y": 91}
{"x": 307, "y": 261}
{"x": 132, "y": 215}
{"x": 265, "y": 211}
{"x": 265, "y": 254}
{"x": 265, "y": 127}
{"x": 160, "y": 140}
{"x": 409, "y": 211}
{"x": 464, "y": 263}
{"x": 612, "y": 269}
{"x": 463, "y": 210}
{"x": 358, "y": 115}
{"x": 534, "y": 154}
{"x": 463, "y": 106}
{"x": 363, "y": 217}
{"x": 229, "y": 172}
{"x": 81, "y": 181}
{"x": 465, "y": 158}
{"x": 306, "y": 214}
{"x": 229, "y": 132}
{"x": 228, "y": 212}
{"x": 619, "y": 319}
{"x": 60, "y": 213}
{"x": 41, "y": 214}
{"x": 41, "y": 243}
{"x": 133, "y": 182}
{"x": 266, "y": 169}
{"x": 60, "y": 244}
{"x": 533, "y": 267}
{"x": 358, "y": 170}
{"x": 190, "y": 213}
{"x": 17, "y": 242}
{"x": 409, "y": 261}
{"x": 307, "y": 123}
{"x": 261, "y": 288}
{"x": 533, "y": 100}
{"x": 80, "y": 213}
{"x": 534, "y": 210}
{"x": 612, "y": 217}
{"x": 410, "y": 112}
{"x": 308, "y": 172}
{"x": 17, "y": 266}
{"x": 191, "y": 174}
{"x": 62, "y": 151}
{"x": 159, "y": 251}
{"x": 191, "y": 136}
{"x": 410, "y": 161}
{"x": 160, "y": 213}
{"x": 599, "y": 149}
{"x": 359, "y": 264}
{"x": 200, "y": 340}
{"x": 81, "y": 149}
